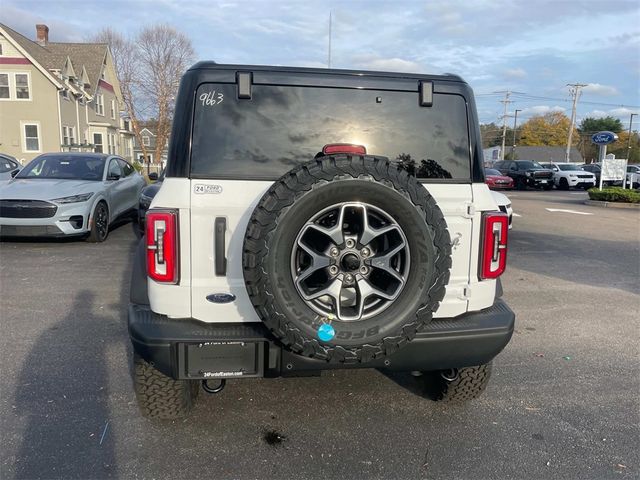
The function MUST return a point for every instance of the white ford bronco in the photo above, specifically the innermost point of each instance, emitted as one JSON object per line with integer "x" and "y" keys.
{"x": 318, "y": 219}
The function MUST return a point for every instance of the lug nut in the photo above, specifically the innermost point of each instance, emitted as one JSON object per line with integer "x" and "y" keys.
{"x": 350, "y": 243}
{"x": 364, "y": 270}
{"x": 333, "y": 270}
{"x": 365, "y": 252}
{"x": 334, "y": 252}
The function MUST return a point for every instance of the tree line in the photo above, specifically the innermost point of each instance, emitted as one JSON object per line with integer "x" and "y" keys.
{"x": 552, "y": 129}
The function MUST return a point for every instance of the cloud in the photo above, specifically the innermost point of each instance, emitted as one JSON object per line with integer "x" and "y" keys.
{"x": 620, "y": 112}
{"x": 395, "y": 64}
{"x": 515, "y": 73}
{"x": 541, "y": 110}
{"x": 598, "y": 89}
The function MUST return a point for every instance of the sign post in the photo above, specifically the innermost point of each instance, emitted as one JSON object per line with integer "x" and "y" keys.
{"x": 602, "y": 139}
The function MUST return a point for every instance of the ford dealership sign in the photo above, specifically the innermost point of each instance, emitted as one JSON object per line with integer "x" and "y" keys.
{"x": 604, "y": 138}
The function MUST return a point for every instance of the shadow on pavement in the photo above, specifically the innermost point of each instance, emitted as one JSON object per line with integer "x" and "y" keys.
{"x": 63, "y": 392}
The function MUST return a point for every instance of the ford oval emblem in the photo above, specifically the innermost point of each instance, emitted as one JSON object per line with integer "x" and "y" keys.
{"x": 604, "y": 138}
{"x": 221, "y": 297}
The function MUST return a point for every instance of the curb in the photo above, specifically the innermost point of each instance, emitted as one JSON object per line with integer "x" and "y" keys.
{"x": 598, "y": 203}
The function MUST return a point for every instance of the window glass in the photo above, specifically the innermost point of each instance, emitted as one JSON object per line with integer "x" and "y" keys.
{"x": 7, "y": 165}
{"x": 114, "y": 168}
{"x": 32, "y": 142}
{"x": 22, "y": 85}
{"x": 71, "y": 167}
{"x": 4, "y": 85}
{"x": 126, "y": 168}
{"x": 97, "y": 142}
{"x": 281, "y": 127}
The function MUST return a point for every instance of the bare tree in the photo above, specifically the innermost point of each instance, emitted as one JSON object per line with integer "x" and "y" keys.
{"x": 163, "y": 55}
{"x": 149, "y": 68}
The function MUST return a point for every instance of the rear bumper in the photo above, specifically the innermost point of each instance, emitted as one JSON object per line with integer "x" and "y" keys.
{"x": 249, "y": 350}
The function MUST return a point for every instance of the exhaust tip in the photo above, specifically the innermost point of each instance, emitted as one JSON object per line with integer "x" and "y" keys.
{"x": 214, "y": 386}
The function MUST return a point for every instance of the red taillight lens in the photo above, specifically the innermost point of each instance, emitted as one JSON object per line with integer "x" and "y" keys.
{"x": 493, "y": 257}
{"x": 344, "y": 148}
{"x": 162, "y": 245}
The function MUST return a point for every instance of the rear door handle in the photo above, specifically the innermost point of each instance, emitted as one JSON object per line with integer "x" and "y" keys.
{"x": 219, "y": 246}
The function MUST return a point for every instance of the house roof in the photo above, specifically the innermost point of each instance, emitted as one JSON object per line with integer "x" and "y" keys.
{"x": 53, "y": 55}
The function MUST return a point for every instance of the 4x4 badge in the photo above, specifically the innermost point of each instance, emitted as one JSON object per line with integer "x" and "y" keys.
{"x": 200, "y": 188}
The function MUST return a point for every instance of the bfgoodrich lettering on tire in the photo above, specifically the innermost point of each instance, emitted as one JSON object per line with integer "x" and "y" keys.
{"x": 349, "y": 241}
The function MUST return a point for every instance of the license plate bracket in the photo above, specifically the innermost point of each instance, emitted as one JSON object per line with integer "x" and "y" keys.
{"x": 221, "y": 359}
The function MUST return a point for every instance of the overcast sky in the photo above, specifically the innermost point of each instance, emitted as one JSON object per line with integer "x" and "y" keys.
{"x": 534, "y": 47}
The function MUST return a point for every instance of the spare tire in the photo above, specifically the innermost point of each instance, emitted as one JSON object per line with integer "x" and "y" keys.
{"x": 345, "y": 258}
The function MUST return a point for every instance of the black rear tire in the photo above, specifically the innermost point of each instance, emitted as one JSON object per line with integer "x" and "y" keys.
{"x": 99, "y": 224}
{"x": 160, "y": 396}
{"x": 449, "y": 387}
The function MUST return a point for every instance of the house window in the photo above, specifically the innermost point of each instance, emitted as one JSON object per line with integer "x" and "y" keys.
{"x": 22, "y": 86}
{"x": 113, "y": 109}
{"x": 97, "y": 142}
{"x": 1, "y": 50}
{"x": 145, "y": 141}
{"x": 31, "y": 137}
{"x": 4, "y": 85}
{"x": 109, "y": 143}
{"x": 65, "y": 135}
{"x": 72, "y": 135}
{"x": 100, "y": 104}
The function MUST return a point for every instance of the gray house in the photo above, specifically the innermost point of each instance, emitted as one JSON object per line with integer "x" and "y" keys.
{"x": 58, "y": 97}
{"x": 149, "y": 141}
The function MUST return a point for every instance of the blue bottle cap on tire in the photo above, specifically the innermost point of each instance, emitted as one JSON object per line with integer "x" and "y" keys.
{"x": 326, "y": 332}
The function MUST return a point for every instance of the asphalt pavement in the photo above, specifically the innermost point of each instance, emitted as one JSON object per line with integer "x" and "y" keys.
{"x": 563, "y": 402}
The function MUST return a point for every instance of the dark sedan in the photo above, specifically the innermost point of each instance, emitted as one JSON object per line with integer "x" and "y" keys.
{"x": 146, "y": 196}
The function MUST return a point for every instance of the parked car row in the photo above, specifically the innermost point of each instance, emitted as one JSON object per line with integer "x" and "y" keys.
{"x": 69, "y": 194}
{"x": 526, "y": 173}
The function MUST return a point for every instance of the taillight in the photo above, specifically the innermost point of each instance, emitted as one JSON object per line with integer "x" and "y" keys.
{"x": 493, "y": 259}
{"x": 162, "y": 245}
{"x": 344, "y": 148}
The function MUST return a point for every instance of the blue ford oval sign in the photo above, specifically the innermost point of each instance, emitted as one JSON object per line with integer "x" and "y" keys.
{"x": 604, "y": 138}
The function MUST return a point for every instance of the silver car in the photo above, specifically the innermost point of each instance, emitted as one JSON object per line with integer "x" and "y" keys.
{"x": 64, "y": 194}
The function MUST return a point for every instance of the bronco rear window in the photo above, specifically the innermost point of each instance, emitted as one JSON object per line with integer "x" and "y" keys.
{"x": 281, "y": 126}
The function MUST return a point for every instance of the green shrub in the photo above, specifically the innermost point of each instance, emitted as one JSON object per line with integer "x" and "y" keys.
{"x": 614, "y": 194}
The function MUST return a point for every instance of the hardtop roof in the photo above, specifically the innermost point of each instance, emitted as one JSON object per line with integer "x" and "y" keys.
{"x": 210, "y": 65}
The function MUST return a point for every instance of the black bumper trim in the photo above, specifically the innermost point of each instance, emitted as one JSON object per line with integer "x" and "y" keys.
{"x": 470, "y": 339}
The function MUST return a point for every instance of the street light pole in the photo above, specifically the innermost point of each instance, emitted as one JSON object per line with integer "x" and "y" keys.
{"x": 515, "y": 124}
{"x": 629, "y": 139}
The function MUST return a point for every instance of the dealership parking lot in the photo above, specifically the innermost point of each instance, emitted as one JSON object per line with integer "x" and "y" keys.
{"x": 564, "y": 401}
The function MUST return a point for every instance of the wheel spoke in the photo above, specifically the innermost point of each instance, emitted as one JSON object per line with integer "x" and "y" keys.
{"x": 332, "y": 290}
{"x": 335, "y": 233}
{"x": 368, "y": 232}
{"x": 383, "y": 262}
{"x": 318, "y": 262}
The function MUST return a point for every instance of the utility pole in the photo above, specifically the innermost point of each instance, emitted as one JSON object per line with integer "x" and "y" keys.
{"x": 506, "y": 103}
{"x": 515, "y": 124}
{"x": 329, "y": 55}
{"x": 629, "y": 140}
{"x": 574, "y": 89}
